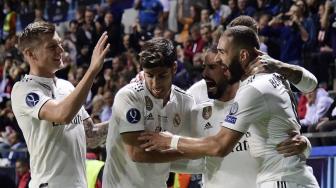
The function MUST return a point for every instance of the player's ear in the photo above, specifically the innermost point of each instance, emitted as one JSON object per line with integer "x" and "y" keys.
{"x": 244, "y": 56}
{"x": 174, "y": 67}
{"x": 28, "y": 54}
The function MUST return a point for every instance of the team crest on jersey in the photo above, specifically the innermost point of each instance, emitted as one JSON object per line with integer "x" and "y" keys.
{"x": 32, "y": 99}
{"x": 177, "y": 120}
{"x": 149, "y": 103}
{"x": 234, "y": 108}
{"x": 207, "y": 112}
{"x": 133, "y": 115}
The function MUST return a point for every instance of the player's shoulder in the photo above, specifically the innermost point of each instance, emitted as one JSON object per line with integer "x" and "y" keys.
{"x": 263, "y": 82}
{"x": 26, "y": 84}
{"x": 64, "y": 83}
{"x": 134, "y": 90}
{"x": 196, "y": 87}
{"x": 182, "y": 93}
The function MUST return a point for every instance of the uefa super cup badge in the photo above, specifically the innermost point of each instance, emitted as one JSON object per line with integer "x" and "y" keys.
{"x": 149, "y": 103}
{"x": 207, "y": 112}
{"x": 177, "y": 120}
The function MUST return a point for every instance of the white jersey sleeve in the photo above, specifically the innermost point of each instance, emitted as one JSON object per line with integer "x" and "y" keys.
{"x": 28, "y": 100}
{"x": 85, "y": 114}
{"x": 129, "y": 111}
{"x": 308, "y": 81}
{"x": 249, "y": 105}
{"x": 199, "y": 91}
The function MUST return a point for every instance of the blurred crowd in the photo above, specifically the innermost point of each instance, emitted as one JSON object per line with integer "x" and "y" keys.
{"x": 301, "y": 32}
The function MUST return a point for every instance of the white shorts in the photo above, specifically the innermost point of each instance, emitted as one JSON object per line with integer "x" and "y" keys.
{"x": 283, "y": 184}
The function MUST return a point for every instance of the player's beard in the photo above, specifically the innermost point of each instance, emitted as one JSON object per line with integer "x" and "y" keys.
{"x": 220, "y": 88}
{"x": 236, "y": 70}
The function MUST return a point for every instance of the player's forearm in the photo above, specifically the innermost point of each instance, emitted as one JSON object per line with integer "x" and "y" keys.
{"x": 70, "y": 106}
{"x": 194, "y": 148}
{"x": 156, "y": 157}
{"x": 291, "y": 72}
{"x": 95, "y": 134}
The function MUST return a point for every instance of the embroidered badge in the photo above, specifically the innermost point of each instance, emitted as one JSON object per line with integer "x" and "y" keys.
{"x": 149, "y": 103}
{"x": 177, "y": 120}
{"x": 32, "y": 99}
{"x": 207, "y": 112}
{"x": 133, "y": 115}
{"x": 234, "y": 108}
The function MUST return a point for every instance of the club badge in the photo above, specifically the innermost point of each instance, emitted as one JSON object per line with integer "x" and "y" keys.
{"x": 207, "y": 112}
{"x": 149, "y": 103}
{"x": 32, "y": 99}
{"x": 234, "y": 108}
{"x": 133, "y": 115}
{"x": 177, "y": 120}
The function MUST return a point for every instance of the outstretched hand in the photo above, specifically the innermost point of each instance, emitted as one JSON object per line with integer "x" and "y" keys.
{"x": 156, "y": 141}
{"x": 294, "y": 145}
{"x": 263, "y": 64}
{"x": 99, "y": 53}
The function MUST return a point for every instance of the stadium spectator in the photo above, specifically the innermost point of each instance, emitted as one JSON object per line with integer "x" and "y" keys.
{"x": 22, "y": 172}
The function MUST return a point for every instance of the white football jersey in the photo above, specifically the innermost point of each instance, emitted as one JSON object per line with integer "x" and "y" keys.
{"x": 238, "y": 165}
{"x": 199, "y": 91}
{"x": 135, "y": 109}
{"x": 263, "y": 106}
{"x": 57, "y": 152}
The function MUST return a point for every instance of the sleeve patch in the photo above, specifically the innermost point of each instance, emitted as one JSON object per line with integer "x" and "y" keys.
{"x": 133, "y": 115}
{"x": 32, "y": 99}
{"x": 230, "y": 119}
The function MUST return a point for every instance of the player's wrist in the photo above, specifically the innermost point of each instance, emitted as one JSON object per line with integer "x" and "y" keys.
{"x": 174, "y": 142}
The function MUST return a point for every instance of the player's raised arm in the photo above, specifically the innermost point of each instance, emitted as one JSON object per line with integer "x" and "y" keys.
{"x": 64, "y": 111}
{"x": 301, "y": 78}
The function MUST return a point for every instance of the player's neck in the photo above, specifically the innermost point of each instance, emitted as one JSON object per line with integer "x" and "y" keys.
{"x": 230, "y": 92}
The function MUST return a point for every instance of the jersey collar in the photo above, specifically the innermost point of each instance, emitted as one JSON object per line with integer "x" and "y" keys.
{"x": 48, "y": 81}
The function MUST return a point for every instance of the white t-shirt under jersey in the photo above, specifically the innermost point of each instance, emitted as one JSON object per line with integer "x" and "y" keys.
{"x": 262, "y": 105}
{"x": 135, "y": 109}
{"x": 57, "y": 152}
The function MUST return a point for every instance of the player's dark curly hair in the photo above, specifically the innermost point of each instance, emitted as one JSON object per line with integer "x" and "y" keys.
{"x": 158, "y": 52}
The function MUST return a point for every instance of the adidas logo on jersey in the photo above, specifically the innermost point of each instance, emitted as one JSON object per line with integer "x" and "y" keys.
{"x": 149, "y": 117}
{"x": 207, "y": 126}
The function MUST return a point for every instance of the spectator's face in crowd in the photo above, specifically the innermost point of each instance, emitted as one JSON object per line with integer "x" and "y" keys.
{"x": 232, "y": 4}
{"x": 21, "y": 168}
{"x": 206, "y": 34}
{"x": 311, "y": 96}
{"x": 108, "y": 18}
{"x": 89, "y": 17}
{"x": 73, "y": 27}
{"x": 13, "y": 138}
{"x": 47, "y": 55}
{"x": 205, "y": 15}
{"x": 241, "y": 4}
{"x": 215, "y": 4}
{"x": 213, "y": 74}
{"x": 126, "y": 41}
{"x": 159, "y": 80}
{"x": 108, "y": 98}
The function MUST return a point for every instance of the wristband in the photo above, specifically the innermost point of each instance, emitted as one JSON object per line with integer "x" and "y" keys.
{"x": 174, "y": 142}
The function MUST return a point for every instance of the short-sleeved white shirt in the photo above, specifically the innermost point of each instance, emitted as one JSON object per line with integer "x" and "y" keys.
{"x": 199, "y": 91}
{"x": 239, "y": 164}
{"x": 57, "y": 152}
{"x": 135, "y": 109}
{"x": 262, "y": 105}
